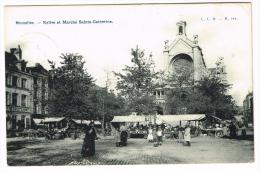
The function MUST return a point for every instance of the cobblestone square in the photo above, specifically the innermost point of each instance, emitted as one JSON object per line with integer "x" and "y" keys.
{"x": 204, "y": 149}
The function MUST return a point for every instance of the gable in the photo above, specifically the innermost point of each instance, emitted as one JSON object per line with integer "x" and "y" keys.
{"x": 180, "y": 46}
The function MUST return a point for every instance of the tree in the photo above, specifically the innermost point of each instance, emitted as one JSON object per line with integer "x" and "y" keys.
{"x": 137, "y": 83}
{"x": 221, "y": 104}
{"x": 105, "y": 104}
{"x": 69, "y": 87}
{"x": 208, "y": 95}
{"x": 181, "y": 84}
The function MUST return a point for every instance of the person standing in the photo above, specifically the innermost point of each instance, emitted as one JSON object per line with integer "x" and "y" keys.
{"x": 159, "y": 135}
{"x": 123, "y": 137}
{"x": 187, "y": 135}
{"x": 88, "y": 147}
{"x": 155, "y": 137}
{"x": 117, "y": 137}
{"x": 150, "y": 134}
{"x": 180, "y": 134}
{"x": 225, "y": 130}
{"x": 232, "y": 130}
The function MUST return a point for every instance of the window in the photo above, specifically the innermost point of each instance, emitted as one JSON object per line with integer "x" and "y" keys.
{"x": 35, "y": 95}
{"x": 159, "y": 94}
{"x": 43, "y": 83}
{"x": 35, "y": 80}
{"x": 7, "y": 79}
{"x": 162, "y": 92}
{"x": 23, "y": 100}
{"x": 14, "y": 81}
{"x": 180, "y": 30}
{"x": 35, "y": 107}
{"x": 27, "y": 123}
{"x": 8, "y": 97}
{"x": 24, "y": 83}
{"x": 14, "y": 121}
{"x": 14, "y": 99}
{"x": 154, "y": 93}
{"x": 23, "y": 122}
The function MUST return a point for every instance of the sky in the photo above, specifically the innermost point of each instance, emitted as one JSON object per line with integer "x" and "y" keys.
{"x": 107, "y": 47}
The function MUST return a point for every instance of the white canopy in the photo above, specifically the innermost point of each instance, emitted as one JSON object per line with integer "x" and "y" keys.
{"x": 176, "y": 118}
{"x": 86, "y": 122}
{"x": 37, "y": 121}
{"x": 128, "y": 119}
{"x": 53, "y": 119}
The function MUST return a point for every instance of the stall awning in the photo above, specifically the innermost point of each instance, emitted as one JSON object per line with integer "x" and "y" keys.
{"x": 37, "y": 121}
{"x": 176, "y": 118}
{"x": 48, "y": 120}
{"x": 128, "y": 119}
{"x": 87, "y": 122}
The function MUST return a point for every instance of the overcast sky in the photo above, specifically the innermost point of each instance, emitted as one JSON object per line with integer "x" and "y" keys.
{"x": 107, "y": 47}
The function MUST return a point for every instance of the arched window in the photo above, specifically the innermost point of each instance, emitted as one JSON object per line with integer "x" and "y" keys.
{"x": 182, "y": 64}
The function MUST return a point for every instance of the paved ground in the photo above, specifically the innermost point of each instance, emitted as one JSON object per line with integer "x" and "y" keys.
{"x": 204, "y": 149}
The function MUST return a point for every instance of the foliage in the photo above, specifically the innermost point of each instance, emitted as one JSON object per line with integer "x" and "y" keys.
{"x": 105, "y": 104}
{"x": 69, "y": 87}
{"x": 137, "y": 83}
{"x": 209, "y": 95}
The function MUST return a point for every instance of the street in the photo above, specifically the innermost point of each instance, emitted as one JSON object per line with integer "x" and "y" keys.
{"x": 204, "y": 149}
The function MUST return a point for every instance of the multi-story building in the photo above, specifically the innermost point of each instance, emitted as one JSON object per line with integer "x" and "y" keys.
{"x": 40, "y": 90}
{"x": 248, "y": 107}
{"x": 21, "y": 90}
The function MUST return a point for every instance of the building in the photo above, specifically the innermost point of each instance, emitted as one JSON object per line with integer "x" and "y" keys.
{"x": 21, "y": 90}
{"x": 184, "y": 55}
{"x": 183, "y": 59}
{"x": 219, "y": 71}
{"x": 248, "y": 107}
{"x": 40, "y": 90}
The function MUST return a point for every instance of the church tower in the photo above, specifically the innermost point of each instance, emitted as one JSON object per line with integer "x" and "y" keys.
{"x": 184, "y": 55}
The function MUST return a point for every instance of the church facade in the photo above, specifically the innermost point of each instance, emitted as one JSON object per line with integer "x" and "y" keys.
{"x": 183, "y": 58}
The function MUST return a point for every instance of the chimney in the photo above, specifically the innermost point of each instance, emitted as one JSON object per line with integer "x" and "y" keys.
{"x": 13, "y": 50}
{"x": 19, "y": 52}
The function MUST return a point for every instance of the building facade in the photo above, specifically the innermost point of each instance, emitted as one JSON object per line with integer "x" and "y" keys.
{"x": 184, "y": 55}
{"x": 183, "y": 58}
{"x": 40, "y": 90}
{"x": 21, "y": 91}
{"x": 248, "y": 107}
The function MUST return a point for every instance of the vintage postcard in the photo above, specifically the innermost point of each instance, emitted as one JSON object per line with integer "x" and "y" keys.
{"x": 128, "y": 84}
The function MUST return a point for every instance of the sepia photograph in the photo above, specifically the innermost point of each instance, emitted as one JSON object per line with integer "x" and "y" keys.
{"x": 128, "y": 84}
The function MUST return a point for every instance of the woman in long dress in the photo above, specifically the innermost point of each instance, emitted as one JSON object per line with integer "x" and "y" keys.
{"x": 180, "y": 134}
{"x": 187, "y": 135}
{"x": 117, "y": 137}
{"x": 88, "y": 147}
{"x": 150, "y": 134}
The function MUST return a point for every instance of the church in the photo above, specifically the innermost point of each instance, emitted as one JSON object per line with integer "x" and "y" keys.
{"x": 183, "y": 59}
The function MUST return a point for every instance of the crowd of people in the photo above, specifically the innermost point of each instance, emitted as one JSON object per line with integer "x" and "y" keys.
{"x": 155, "y": 134}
